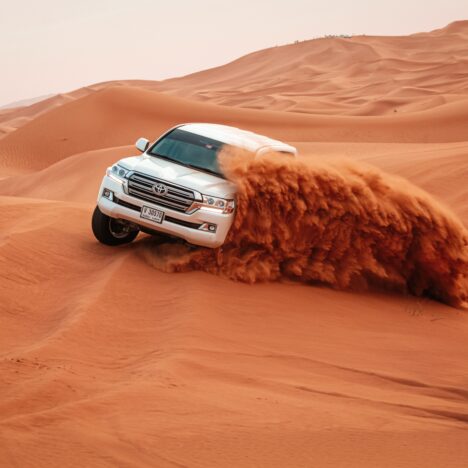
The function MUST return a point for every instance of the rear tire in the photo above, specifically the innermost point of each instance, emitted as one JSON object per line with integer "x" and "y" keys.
{"x": 111, "y": 231}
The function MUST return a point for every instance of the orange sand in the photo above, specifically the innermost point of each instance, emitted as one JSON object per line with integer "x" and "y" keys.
{"x": 107, "y": 361}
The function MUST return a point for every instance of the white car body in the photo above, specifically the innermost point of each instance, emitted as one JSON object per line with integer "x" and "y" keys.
{"x": 185, "y": 212}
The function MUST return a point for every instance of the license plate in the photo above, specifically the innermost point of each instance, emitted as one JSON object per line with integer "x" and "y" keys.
{"x": 150, "y": 213}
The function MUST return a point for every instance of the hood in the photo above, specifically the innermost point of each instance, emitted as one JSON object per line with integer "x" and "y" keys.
{"x": 181, "y": 175}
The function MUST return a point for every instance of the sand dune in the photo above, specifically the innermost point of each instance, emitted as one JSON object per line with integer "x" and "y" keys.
{"x": 108, "y": 361}
{"x": 122, "y": 114}
{"x": 362, "y": 75}
{"x": 236, "y": 375}
{"x": 17, "y": 117}
{"x": 72, "y": 179}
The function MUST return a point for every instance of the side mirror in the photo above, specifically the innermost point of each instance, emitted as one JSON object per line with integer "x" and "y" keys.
{"x": 142, "y": 144}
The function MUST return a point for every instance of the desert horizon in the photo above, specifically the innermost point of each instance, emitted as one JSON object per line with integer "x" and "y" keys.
{"x": 330, "y": 328}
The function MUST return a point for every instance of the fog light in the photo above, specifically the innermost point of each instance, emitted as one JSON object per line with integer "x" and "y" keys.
{"x": 208, "y": 227}
{"x": 106, "y": 193}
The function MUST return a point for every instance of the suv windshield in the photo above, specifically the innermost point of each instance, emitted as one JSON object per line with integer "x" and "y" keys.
{"x": 189, "y": 149}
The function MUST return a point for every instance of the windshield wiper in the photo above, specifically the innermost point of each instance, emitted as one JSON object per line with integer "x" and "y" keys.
{"x": 167, "y": 158}
{"x": 193, "y": 166}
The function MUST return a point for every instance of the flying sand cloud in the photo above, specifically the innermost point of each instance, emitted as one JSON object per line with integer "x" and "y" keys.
{"x": 344, "y": 224}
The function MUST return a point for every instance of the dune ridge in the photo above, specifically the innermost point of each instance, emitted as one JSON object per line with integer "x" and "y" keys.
{"x": 122, "y": 114}
{"x": 361, "y": 75}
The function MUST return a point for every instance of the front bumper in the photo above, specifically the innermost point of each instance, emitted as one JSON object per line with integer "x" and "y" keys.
{"x": 175, "y": 223}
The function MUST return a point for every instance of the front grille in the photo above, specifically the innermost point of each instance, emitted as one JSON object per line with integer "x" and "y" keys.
{"x": 177, "y": 198}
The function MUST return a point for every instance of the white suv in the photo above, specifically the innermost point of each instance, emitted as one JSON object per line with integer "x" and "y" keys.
{"x": 175, "y": 187}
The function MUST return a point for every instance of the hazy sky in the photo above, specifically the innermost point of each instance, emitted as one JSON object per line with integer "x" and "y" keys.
{"x": 52, "y": 46}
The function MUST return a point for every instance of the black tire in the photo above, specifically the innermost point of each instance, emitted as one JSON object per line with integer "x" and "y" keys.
{"x": 111, "y": 231}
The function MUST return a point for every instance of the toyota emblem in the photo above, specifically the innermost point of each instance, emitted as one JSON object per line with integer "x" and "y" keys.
{"x": 159, "y": 189}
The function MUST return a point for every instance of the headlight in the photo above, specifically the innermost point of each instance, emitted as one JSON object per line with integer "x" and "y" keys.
{"x": 226, "y": 206}
{"x": 117, "y": 171}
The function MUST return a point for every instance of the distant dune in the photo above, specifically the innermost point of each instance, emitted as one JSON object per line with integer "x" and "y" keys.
{"x": 25, "y": 102}
{"x": 361, "y": 75}
{"x": 122, "y": 114}
{"x": 110, "y": 358}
